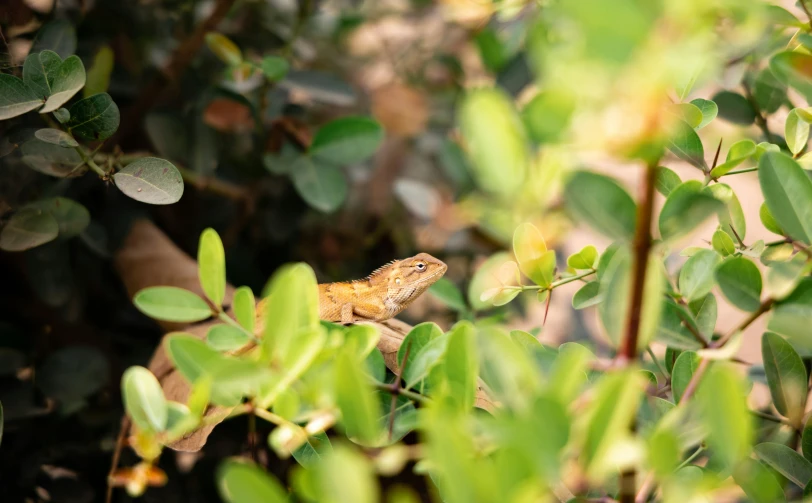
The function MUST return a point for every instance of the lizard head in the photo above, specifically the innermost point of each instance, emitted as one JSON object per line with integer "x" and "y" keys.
{"x": 408, "y": 278}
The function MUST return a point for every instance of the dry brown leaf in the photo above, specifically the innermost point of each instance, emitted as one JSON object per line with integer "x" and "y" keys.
{"x": 402, "y": 110}
{"x": 228, "y": 116}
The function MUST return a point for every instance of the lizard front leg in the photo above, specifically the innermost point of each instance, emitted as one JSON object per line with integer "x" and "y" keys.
{"x": 346, "y": 314}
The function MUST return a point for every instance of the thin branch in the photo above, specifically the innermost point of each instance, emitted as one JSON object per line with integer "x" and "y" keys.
{"x": 642, "y": 247}
{"x": 770, "y": 417}
{"x": 656, "y": 362}
{"x": 760, "y": 120}
{"x": 762, "y": 308}
{"x": 411, "y": 395}
{"x": 120, "y": 441}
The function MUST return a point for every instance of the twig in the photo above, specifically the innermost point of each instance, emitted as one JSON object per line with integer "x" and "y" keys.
{"x": 770, "y": 417}
{"x": 642, "y": 247}
{"x": 760, "y": 120}
{"x": 411, "y": 395}
{"x": 656, "y": 362}
{"x": 762, "y": 308}
{"x": 122, "y": 435}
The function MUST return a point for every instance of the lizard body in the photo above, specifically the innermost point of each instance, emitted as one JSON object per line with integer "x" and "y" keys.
{"x": 381, "y": 295}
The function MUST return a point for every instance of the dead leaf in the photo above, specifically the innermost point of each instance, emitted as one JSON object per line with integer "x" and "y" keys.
{"x": 402, "y": 110}
{"x": 228, "y": 116}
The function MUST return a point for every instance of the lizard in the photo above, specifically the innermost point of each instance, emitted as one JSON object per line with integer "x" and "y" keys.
{"x": 380, "y": 296}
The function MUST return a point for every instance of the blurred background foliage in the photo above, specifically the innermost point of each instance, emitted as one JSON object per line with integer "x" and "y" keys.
{"x": 344, "y": 134}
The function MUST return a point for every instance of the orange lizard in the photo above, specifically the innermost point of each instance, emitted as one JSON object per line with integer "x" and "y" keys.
{"x": 381, "y": 295}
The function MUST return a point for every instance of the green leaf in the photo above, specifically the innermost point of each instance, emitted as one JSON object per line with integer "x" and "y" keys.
{"x": 52, "y": 160}
{"x": 733, "y": 107}
{"x": 672, "y": 329}
{"x": 359, "y": 407}
{"x": 169, "y": 303}
{"x": 222, "y": 47}
{"x": 547, "y": 115}
{"x": 690, "y": 113}
{"x": 785, "y": 461}
{"x": 696, "y": 276}
{"x": 708, "y": 109}
{"x": 94, "y": 118}
{"x": 788, "y": 193}
{"x": 98, "y": 76}
{"x": 245, "y": 308}
{"x": 786, "y": 376}
{"x": 27, "y": 229}
{"x": 506, "y": 368}
{"x": 796, "y": 132}
{"x": 150, "y": 180}
{"x": 806, "y": 439}
{"x": 724, "y": 412}
{"x": 602, "y": 203}
{"x": 322, "y": 186}
{"x": 52, "y": 79}
{"x": 495, "y": 139}
{"x": 784, "y": 277}
{"x": 310, "y": 453}
{"x": 423, "y": 361}
{"x": 791, "y": 317}
{"x": 62, "y": 115}
{"x": 610, "y": 417}
{"x": 345, "y": 476}
{"x": 667, "y": 180}
{"x": 57, "y": 35}
{"x": 417, "y": 338}
{"x": 723, "y": 244}
{"x": 686, "y": 145}
{"x": 588, "y": 295}
{"x": 740, "y": 281}
{"x": 585, "y": 259}
{"x": 531, "y": 253}
{"x": 293, "y": 304}
{"x": 794, "y": 69}
{"x": 769, "y": 221}
{"x": 347, "y": 140}
{"x": 242, "y": 482}
{"x": 758, "y": 482}
{"x": 460, "y": 368}
{"x": 768, "y": 91}
{"x": 732, "y": 217}
{"x": 71, "y": 217}
{"x": 211, "y": 262}
{"x": 736, "y": 154}
{"x": 485, "y": 278}
{"x": 274, "y": 68}
{"x": 705, "y": 310}
{"x": 144, "y": 399}
{"x": 448, "y": 293}
{"x": 16, "y": 98}
{"x": 56, "y": 137}
{"x": 685, "y": 208}
{"x": 683, "y": 371}
{"x": 294, "y": 362}
{"x": 226, "y": 337}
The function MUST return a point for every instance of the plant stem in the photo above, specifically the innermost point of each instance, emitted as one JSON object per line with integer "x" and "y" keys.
{"x": 231, "y": 321}
{"x": 770, "y": 417}
{"x": 91, "y": 163}
{"x": 642, "y": 248}
{"x": 411, "y": 395}
{"x": 740, "y": 171}
{"x": 556, "y": 284}
{"x": 656, "y": 362}
{"x": 762, "y": 308}
{"x": 690, "y": 458}
{"x": 269, "y": 416}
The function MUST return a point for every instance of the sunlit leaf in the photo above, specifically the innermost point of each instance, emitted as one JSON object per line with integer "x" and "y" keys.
{"x": 796, "y": 132}
{"x": 242, "y": 482}
{"x": 169, "y": 303}
{"x": 708, "y": 109}
{"x": 602, "y": 203}
{"x": 244, "y": 307}
{"x": 222, "y": 47}
{"x": 786, "y": 376}
{"x": 211, "y": 263}
{"x": 788, "y": 193}
{"x": 144, "y": 399}
{"x": 354, "y": 397}
{"x": 724, "y": 412}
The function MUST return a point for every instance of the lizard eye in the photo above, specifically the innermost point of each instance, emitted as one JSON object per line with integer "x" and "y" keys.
{"x": 420, "y": 266}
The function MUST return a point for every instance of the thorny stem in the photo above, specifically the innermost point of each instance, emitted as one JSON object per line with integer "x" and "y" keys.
{"x": 556, "y": 284}
{"x": 642, "y": 247}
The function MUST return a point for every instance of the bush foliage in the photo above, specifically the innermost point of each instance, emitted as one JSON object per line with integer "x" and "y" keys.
{"x": 682, "y": 97}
